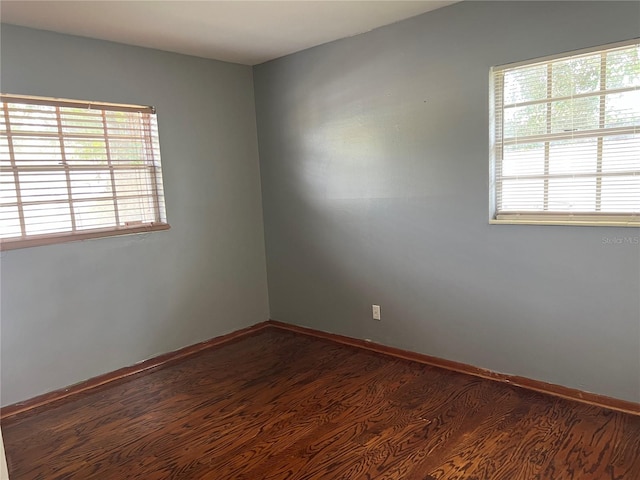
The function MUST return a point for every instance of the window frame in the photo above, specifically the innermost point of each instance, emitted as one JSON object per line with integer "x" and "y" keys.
{"x": 151, "y": 145}
{"x": 496, "y": 110}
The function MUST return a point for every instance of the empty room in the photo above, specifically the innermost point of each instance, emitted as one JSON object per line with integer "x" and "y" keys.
{"x": 320, "y": 240}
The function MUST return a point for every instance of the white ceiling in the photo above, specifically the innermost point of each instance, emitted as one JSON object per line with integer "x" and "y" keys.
{"x": 247, "y": 32}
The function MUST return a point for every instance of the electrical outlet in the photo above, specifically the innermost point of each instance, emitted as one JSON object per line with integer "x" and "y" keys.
{"x": 376, "y": 311}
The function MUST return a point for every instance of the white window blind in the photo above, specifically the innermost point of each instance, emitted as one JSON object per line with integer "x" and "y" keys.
{"x": 72, "y": 170}
{"x": 566, "y": 138}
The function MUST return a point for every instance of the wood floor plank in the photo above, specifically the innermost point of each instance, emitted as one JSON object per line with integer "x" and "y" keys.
{"x": 279, "y": 405}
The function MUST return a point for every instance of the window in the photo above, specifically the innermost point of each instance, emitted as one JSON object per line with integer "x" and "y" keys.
{"x": 72, "y": 170}
{"x": 565, "y": 140}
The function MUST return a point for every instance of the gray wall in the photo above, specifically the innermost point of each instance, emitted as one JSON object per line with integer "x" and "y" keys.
{"x": 73, "y": 311}
{"x": 374, "y": 161}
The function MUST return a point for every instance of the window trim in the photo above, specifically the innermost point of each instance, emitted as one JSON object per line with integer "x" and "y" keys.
{"x": 54, "y": 238}
{"x": 129, "y": 227}
{"x": 547, "y": 218}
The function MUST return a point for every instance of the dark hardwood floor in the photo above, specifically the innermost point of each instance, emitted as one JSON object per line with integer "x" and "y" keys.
{"x": 280, "y": 405}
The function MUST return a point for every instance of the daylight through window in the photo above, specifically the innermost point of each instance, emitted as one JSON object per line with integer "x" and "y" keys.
{"x": 566, "y": 139}
{"x": 72, "y": 170}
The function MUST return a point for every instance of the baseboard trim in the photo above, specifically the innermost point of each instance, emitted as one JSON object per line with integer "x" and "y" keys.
{"x": 145, "y": 366}
{"x": 164, "y": 359}
{"x": 522, "y": 382}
